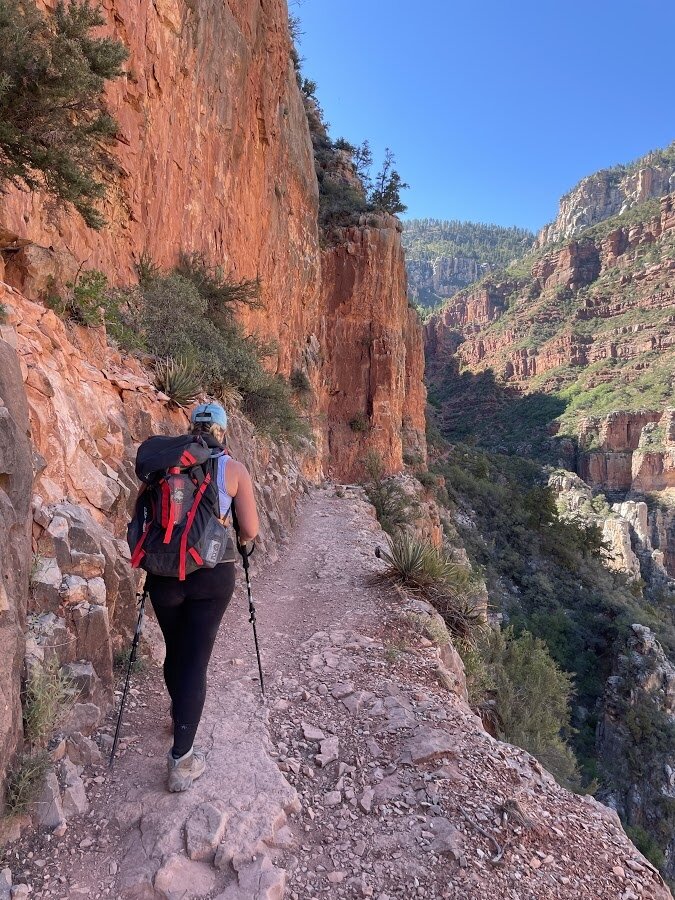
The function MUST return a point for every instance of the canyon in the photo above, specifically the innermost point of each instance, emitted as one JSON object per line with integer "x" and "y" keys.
{"x": 214, "y": 155}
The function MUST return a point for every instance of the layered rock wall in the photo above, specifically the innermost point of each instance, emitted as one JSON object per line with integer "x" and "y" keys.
{"x": 629, "y": 451}
{"x": 374, "y": 394}
{"x": 606, "y": 194}
{"x": 528, "y": 327}
{"x": 213, "y": 155}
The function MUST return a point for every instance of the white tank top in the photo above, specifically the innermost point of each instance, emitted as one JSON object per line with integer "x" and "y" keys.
{"x": 224, "y": 499}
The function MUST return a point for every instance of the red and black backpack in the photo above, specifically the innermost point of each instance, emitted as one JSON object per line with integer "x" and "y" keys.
{"x": 176, "y": 527}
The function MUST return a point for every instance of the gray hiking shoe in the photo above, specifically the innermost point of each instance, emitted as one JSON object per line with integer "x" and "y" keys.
{"x": 183, "y": 771}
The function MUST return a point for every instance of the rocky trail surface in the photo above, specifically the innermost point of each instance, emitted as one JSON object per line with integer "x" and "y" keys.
{"x": 363, "y": 774}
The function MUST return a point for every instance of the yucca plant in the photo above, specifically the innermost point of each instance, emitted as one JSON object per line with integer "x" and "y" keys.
{"x": 424, "y": 569}
{"x": 178, "y": 379}
{"x": 419, "y": 565}
{"x": 226, "y": 394}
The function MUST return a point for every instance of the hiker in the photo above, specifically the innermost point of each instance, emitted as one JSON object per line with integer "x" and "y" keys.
{"x": 190, "y": 599}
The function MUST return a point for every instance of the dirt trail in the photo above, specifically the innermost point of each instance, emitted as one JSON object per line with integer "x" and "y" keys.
{"x": 361, "y": 775}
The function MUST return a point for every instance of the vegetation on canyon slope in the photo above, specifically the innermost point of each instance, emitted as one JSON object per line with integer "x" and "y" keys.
{"x": 427, "y": 241}
{"x": 545, "y": 575}
{"x": 187, "y": 316}
{"x": 54, "y": 124}
{"x": 536, "y": 318}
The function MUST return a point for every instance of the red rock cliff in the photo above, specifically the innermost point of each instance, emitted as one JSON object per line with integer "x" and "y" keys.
{"x": 374, "y": 396}
{"x": 214, "y": 155}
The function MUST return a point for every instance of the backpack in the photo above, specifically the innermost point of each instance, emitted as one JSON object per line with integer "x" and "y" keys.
{"x": 176, "y": 527}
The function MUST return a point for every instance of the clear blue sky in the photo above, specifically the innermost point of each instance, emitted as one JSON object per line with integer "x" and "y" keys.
{"x": 494, "y": 108}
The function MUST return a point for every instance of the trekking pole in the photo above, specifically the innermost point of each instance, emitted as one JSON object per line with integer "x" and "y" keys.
{"x": 132, "y": 660}
{"x": 244, "y": 553}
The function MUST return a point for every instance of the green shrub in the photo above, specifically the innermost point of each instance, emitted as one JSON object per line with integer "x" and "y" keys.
{"x": 48, "y": 697}
{"x": 268, "y": 404}
{"x": 178, "y": 379}
{"x": 424, "y": 569}
{"x": 3, "y": 313}
{"x": 219, "y": 290}
{"x": 360, "y": 423}
{"x": 646, "y": 844}
{"x": 300, "y": 383}
{"x": 393, "y": 507}
{"x": 427, "y": 480}
{"x": 84, "y": 301}
{"x": 24, "y": 782}
{"x": 532, "y": 699}
{"x": 340, "y": 202}
{"x": 387, "y": 186}
{"x": 53, "y": 120}
{"x": 178, "y": 322}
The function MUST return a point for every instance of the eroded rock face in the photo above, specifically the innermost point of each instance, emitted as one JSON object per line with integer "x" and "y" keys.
{"x": 374, "y": 398}
{"x": 16, "y": 476}
{"x": 606, "y": 194}
{"x": 214, "y": 155}
{"x": 553, "y": 298}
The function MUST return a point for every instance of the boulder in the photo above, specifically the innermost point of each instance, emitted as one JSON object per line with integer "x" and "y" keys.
{"x": 47, "y": 810}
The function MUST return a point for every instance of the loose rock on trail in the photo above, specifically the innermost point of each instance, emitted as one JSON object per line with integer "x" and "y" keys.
{"x": 360, "y": 775}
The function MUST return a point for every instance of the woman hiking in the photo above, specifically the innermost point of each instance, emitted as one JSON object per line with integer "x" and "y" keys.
{"x": 189, "y": 609}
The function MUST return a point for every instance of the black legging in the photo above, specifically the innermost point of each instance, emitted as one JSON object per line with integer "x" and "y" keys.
{"x": 189, "y": 613}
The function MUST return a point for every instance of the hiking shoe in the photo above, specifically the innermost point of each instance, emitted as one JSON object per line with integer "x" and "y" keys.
{"x": 183, "y": 771}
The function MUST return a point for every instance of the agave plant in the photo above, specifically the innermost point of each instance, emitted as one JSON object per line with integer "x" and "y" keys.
{"x": 419, "y": 565}
{"x": 424, "y": 569}
{"x": 178, "y": 379}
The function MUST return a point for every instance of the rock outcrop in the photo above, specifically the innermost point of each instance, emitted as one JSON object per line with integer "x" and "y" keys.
{"x": 610, "y": 192}
{"x": 629, "y": 451}
{"x": 634, "y": 546}
{"x": 443, "y": 276}
{"x": 374, "y": 393}
{"x": 16, "y": 477}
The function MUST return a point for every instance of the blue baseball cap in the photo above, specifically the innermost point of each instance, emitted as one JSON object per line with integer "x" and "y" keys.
{"x": 209, "y": 414}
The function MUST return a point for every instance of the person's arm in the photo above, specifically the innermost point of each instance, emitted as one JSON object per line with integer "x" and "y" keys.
{"x": 239, "y": 486}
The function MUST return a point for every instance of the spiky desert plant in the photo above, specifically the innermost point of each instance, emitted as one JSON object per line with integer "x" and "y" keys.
{"x": 178, "y": 379}
{"x": 428, "y": 571}
{"x": 226, "y": 394}
{"x": 419, "y": 565}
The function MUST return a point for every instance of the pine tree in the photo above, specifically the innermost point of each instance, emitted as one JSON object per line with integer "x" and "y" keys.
{"x": 386, "y": 192}
{"x": 54, "y": 124}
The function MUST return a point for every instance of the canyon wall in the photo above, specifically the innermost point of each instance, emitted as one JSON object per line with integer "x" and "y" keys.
{"x": 213, "y": 154}
{"x": 610, "y": 192}
{"x": 526, "y": 327}
{"x": 375, "y": 396}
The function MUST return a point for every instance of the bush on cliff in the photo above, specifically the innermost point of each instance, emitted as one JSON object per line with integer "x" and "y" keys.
{"x": 53, "y": 120}
{"x": 532, "y": 699}
{"x": 181, "y": 319}
{"x": 392, "y": 505}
